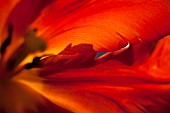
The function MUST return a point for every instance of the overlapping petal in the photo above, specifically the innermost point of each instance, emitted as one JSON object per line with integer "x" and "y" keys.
{"x": 109, "y": 86}
{"x": 107, "y": 24}
{"x": 134, "y": 55}
{"x": 79, "y": 56}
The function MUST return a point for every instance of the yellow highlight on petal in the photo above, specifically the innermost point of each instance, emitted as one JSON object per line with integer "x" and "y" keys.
{"x": 16, "y": 96}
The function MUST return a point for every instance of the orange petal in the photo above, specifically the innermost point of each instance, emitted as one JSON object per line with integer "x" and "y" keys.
{"x": 106, "y": 90}
{"x": 107, "y": 24}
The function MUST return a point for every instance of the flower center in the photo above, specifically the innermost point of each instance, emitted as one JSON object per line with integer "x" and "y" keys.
{"x": 31, "y": 44}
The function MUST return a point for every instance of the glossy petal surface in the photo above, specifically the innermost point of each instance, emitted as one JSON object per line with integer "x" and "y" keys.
{"x": 106, "y": 24}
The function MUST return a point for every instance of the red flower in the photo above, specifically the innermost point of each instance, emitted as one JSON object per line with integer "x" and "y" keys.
{"x": 71, "y": 75}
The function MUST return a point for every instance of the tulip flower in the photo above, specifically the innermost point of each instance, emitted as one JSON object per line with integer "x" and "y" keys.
{"x": 84, "y": 56}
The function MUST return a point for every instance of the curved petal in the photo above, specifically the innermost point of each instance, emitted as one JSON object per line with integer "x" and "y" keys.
{"x": 78, "y": 56}
{"x": 132, "y": 56}
{"x": 107, "y": 24}
{"x": 16, "y": 97}
{"x": 106, "y": 90}
{"x": 106, "y": 87}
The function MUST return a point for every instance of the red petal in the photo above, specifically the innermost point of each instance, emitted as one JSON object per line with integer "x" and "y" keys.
{"x": 5, "y": 8}
{"x": 25, "y": 13}
{"x": 107, "y": 87}
{"x": 107, "y": 24}
{"x": 78, "y": 56}
{"x": 20, "y": 17}
{"x": 134, "y": 55}
{"x": 159, "y": 63}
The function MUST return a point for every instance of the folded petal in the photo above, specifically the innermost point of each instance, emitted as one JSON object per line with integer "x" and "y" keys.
{"x": 106, "y": 87}
{"x": 78, "y": 56}
{"x": 158, "y": 64}
{"x": 133, "y": 55}
{"x": 106, "y": 24}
